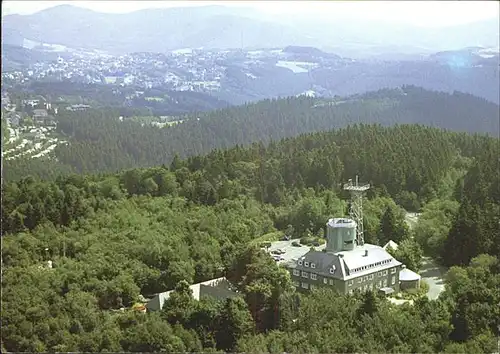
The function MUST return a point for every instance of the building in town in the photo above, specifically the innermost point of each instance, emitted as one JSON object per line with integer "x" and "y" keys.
{"x": 347, "y": 263}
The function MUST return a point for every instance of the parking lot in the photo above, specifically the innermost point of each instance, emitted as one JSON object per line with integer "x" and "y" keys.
{"x": 291, "y": 252}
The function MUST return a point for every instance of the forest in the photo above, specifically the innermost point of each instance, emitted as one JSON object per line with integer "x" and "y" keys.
{"x": 100, "y": 142}
{"x": 115, "y": 235}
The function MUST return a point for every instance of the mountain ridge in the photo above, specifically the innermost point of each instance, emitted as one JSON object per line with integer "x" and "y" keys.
{"x": 174, "y": 28}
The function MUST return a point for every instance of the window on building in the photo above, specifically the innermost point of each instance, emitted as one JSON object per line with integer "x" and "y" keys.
{"x": 385, "y": 272}
{"x": 370, "y": 286}
{"x": 330, "y": 281}
{"x": 314, "y": 276}
{"x": 312, "y": 287}
{"x": 360, "y": 279}
{"x": 306, "y": 264}
{"x": 305, "y": 285}
{"x": 304, "y": 274}
{"x": 313, "y": 265}
{"x": 296, "y": 272}
{"x": 296, "y": 283}
{"x": 379, "y": 274}
{"x": 393, "y": 270}
{"x": 351, "y": 292}
{"x": 325, "y": 281}
{"x": 371, "y": 276}
{"x": 350, "y": 282}
{"x": 385, "y": 283}
{"x": 379, "y": 284}
{"x": 393, "y": 280}
{"x": 365, "y": 278}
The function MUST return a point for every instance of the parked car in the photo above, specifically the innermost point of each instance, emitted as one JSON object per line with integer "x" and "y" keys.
{"x": 315, "y": 244}
{"x": 295, "y": 244}
{"x": 278, "y": 251}
{"x": 278, "y": 258}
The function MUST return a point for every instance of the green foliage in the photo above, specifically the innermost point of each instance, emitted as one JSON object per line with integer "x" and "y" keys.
{"x": 5, "y": 131}
{"x": 414, "y": 293}
{"x": 392, "y": 227}
{"x": 112, "y": 237}
{"x": 100, "y": 142}
{"x": 434, "y": 225}
{"x": 409, "y": 253}
{"x": 473, "y": 292}
{"x": 268, "y": 238}
{"x": 475, "y": 229}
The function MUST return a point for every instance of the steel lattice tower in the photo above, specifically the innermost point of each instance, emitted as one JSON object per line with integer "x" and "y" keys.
{"x": 356, "y": 211}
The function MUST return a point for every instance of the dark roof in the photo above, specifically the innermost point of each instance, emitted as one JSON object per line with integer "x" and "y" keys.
{"x": 347, "y": 264}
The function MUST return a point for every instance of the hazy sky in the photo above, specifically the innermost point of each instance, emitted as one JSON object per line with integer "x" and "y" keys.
{"x": 422, "y": 13}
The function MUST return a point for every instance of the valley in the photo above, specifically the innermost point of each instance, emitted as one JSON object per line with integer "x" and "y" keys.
{"x": 237, "y": 76}
{"x": 100, "y": 139}
{"x": 317, "y": 177}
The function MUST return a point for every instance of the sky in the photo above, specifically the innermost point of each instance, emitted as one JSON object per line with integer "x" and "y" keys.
{"x": 420, "y": 13}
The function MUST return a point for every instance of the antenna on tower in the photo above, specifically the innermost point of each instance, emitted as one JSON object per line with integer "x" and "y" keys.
{"x": 356, "y": 212}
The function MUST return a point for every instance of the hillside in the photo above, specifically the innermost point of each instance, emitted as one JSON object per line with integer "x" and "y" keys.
{"x": 99, "y": 141}
{"x": 114, "y": 239}
{"x": 238, "y": 76}
{"x": 18, "y": 58}
{"x": 158, "y": 101}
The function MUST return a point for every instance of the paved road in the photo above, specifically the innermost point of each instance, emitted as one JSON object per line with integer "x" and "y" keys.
{"x": 433, "y": 274}
{"x": 411, "y": 219}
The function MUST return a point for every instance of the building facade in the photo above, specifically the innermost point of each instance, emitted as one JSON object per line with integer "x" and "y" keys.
{"x": 344, "y": 265}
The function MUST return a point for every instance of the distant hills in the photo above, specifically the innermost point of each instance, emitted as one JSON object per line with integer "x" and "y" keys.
{"x": 472, "y": 70}
{"x": 158, "y": 30}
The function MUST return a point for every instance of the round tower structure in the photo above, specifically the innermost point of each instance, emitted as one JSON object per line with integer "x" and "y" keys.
{"x": 340, "y": 235}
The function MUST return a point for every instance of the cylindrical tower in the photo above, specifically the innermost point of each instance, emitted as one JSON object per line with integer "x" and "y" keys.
{"x": 340, "y": 235}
